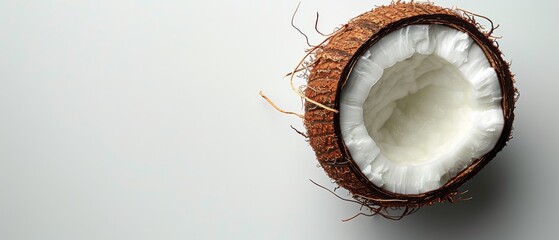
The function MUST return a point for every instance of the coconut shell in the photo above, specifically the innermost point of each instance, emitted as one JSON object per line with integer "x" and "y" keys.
{"x": 334, "y": 61}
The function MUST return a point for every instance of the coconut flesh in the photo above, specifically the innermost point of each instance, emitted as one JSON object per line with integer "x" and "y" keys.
{"x": 419, "y": 106}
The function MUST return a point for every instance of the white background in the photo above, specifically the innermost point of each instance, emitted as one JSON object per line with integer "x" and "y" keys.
{"x": 142, "y": 120}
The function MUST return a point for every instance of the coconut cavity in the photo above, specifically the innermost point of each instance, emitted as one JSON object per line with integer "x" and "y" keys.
{"x": 418, "y": 107}
{"x": 425, "y": 109}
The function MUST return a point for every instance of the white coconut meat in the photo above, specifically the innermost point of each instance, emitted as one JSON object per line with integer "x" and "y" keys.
{"x": 419, "y": 106}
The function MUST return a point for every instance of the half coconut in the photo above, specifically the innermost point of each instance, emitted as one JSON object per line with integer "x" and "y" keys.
{"x": 407, "y": 102}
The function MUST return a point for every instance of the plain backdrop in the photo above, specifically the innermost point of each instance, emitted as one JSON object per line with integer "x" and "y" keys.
{"x": 141, "y": 120}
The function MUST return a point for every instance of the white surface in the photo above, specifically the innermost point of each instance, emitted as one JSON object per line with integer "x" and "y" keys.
{"x": 142, "y": 120}
{"x": 419, "y": 106}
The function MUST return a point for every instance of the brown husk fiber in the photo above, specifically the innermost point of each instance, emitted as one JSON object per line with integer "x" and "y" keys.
{"x": 333, "y": 62}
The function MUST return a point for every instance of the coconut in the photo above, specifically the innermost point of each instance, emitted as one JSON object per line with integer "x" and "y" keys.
{"x": 407, "y": 102}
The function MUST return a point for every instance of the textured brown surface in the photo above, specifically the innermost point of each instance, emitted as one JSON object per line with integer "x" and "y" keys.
{"x": 333, "y": 64}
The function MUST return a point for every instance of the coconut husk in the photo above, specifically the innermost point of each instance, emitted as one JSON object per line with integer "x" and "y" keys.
{"x": 333, "y": 62}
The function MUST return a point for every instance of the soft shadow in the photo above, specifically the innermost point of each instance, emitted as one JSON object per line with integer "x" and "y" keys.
{"x": 491, "y": 191}
{"x": 488, "y": 189}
